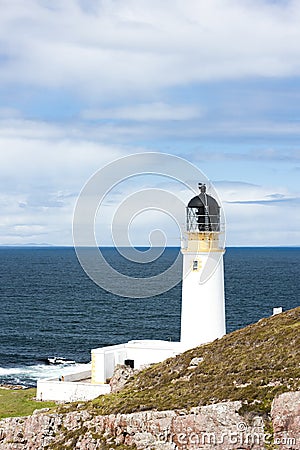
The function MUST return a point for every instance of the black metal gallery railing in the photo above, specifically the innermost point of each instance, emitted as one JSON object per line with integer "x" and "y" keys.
{"x": 198, "y": 220}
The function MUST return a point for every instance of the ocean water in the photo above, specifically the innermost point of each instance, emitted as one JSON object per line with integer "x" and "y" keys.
{"x": 49, "y": 307}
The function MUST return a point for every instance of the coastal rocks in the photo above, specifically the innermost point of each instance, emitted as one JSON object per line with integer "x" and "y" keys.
{"x": 219, "y": 426}
{"x": 121, "y": 375}
{"x": 12, "y": 387}
{"x": 285, "y": 415}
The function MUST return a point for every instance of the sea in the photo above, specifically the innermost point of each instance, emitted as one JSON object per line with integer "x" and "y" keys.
{"x": 50, "y": 307}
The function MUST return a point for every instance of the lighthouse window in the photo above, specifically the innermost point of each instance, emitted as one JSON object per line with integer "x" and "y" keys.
{"x": 195, "y": 265}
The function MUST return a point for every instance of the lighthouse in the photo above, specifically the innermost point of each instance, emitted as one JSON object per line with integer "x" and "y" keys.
{"x": 202, "y": 315}
{"x": 203, "y": 304}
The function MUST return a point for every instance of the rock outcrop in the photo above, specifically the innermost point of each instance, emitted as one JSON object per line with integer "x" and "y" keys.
{"x": 219, "y": 426}
{"x": 120, "y": 377}
{"x": 285, "y": 415}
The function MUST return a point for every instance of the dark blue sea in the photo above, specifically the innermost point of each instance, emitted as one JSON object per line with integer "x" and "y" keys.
{"x": 49, "y": 306}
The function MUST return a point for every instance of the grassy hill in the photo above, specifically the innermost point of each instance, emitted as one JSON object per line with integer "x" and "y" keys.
{"x": 14, "y": 403}
{"x": 252, "y": 364}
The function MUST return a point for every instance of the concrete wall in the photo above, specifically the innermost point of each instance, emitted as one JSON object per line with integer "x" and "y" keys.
{"x": 98, "y": 366}
{"x": 110, "y": 364}
{"x": 72, "y": 388}
{"x": 104, "y": 361}
{"x": 67, "y": 391}
{"x": 146, "y": 355}
{"x": 78, "y": 376}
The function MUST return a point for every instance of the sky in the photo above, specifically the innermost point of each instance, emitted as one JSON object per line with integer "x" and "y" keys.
{"x": 215, "y": 82}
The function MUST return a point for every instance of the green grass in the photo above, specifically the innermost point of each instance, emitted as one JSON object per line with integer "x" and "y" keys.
{"x": 252, "y": 364}
{"x": 14, "y": 403}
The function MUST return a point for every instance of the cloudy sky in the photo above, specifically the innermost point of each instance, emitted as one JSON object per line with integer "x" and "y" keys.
{"x": 83, "y": 82}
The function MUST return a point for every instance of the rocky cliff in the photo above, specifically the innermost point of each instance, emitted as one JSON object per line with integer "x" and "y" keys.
{"x": 220, "y": 426}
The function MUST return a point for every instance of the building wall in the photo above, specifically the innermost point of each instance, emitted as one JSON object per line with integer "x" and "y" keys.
{"x": 68, "y": 391}
{"x": 143, "y": 356}
{"x": 105, "y": 359}
{"x": 78, "y": 376}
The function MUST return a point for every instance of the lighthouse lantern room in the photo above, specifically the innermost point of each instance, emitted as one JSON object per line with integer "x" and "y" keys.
{"x": 203, "y": 305}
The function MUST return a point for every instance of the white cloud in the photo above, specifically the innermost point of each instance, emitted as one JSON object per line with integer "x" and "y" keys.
{"x": 43, "y": 167}
{"x": 29, "y": 230}
{"x": 39, "y": 199}
{"x": 260, "y": 215}
{"x": 53, "y": 152}
{"x": 130, "y": 45}
{"x": 42, "y": 170}
{"x": 158, "y": 111}
{"x": 284, "y": 155}
{"x": 9, "y": 112}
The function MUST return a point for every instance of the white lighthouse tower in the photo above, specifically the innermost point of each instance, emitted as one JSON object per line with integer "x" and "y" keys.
{"x": 203, "y": 305}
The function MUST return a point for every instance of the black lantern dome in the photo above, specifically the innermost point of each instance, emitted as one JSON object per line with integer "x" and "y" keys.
{"x": 203, "y": 212}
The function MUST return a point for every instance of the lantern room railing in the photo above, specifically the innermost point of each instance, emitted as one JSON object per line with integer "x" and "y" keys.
{"x": 197, "y": 222}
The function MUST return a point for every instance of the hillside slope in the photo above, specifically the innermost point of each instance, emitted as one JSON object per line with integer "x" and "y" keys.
{"x": 252, "y": 364}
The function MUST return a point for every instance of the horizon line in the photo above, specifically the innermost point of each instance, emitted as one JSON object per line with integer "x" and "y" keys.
{"x": 138, "y": 246}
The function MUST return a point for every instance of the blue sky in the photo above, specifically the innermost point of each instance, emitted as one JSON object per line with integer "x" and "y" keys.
{"x": 85, "y": 82}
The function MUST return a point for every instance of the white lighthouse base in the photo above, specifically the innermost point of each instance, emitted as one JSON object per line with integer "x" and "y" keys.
{"x": 203, "y": 305}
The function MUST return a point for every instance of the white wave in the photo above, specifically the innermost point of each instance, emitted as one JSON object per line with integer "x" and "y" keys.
{"x": 39, "y": 371}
